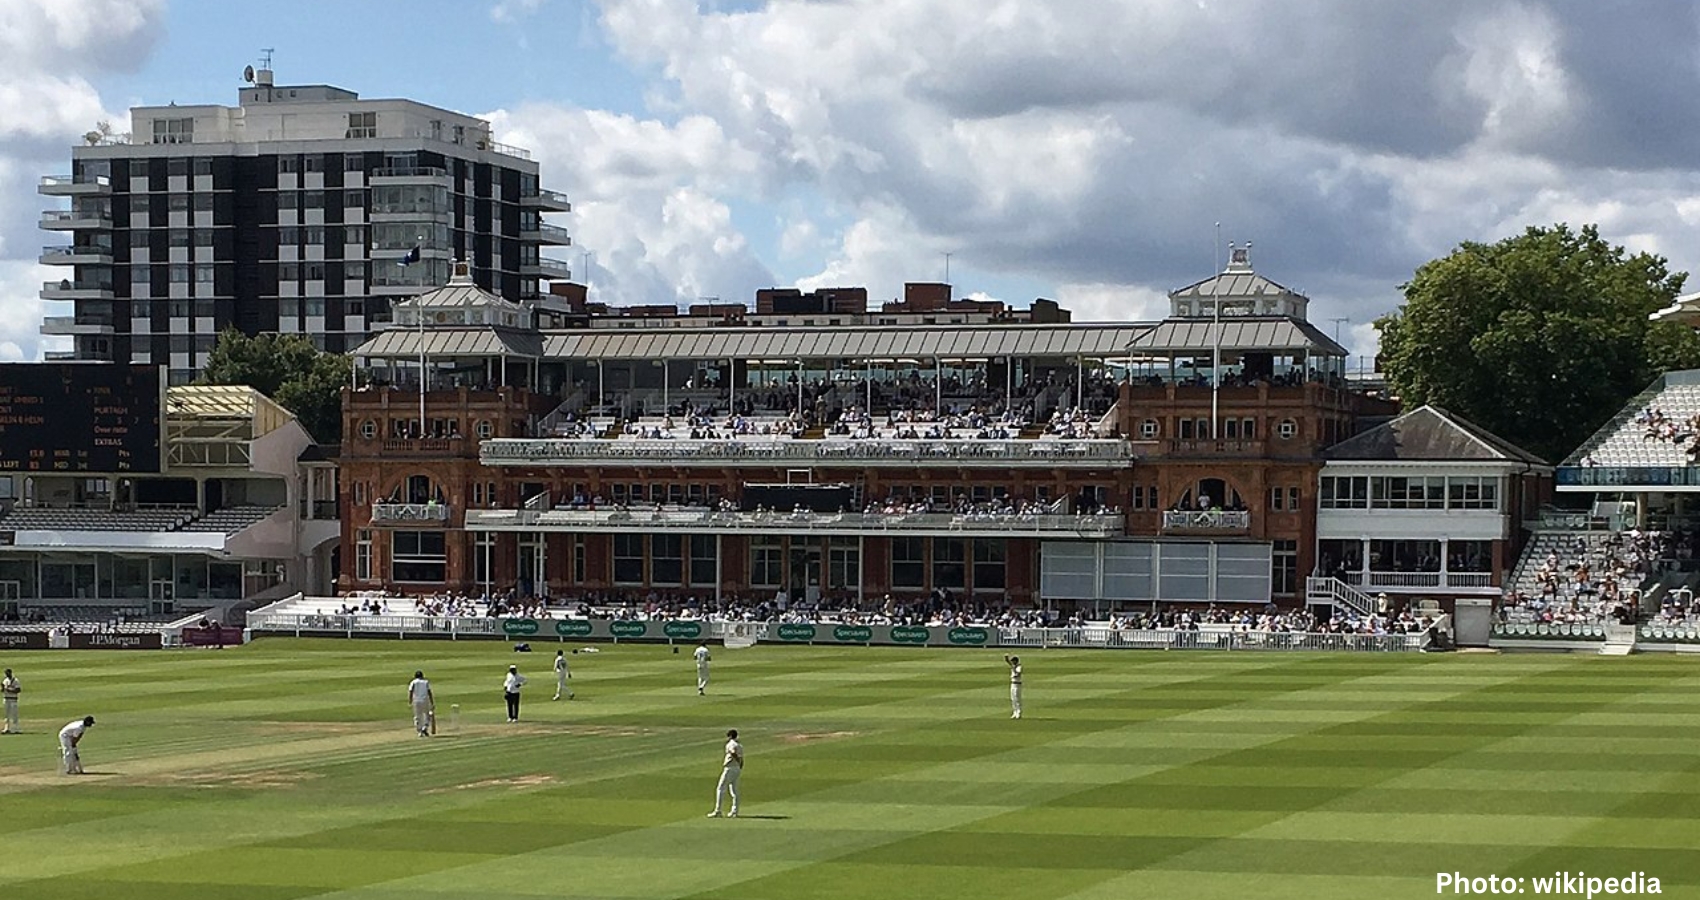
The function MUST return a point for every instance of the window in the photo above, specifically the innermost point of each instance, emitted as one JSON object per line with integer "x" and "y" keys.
{"x": 1284, "y": 568}
{"x": 1287, "y": 430}
{"x": 765, "y": 556}
{"x": 843, "y": 564}
{"x": 179, "y": 237}
{"x": 1277, "y": 499}
{"x": 483, "y": 554}
{"x": 1472, "y": 492}
{"x": 288, "y": 236}
{"x": 288, "y": 165}
{"x": 1293, "y": 498}
{"x": 177, "y": 202}
{"x": 179, "y": 274}
{"x": 628, "y": 558}
{"x": 484, "y": 429}
{"x": 203, "y": 237}
{"x": 289, "y": 272}
{"x": 354, "y": 199}
{"x": 908, "y": 561}
{"x": 204, "y": 273}
{"x": 363, "y": 554}
{"x": 949, "y": 555}
{"x": 705, "y": 557}
{"x": 138, "y": 169}
{"x": 418, "y": 556}
{"x": 203, "y": 202}
{"x": 203, "y": 165}
{"x": 312, "y": 162}
{"x": 1149, "y": 429}
{"x": 139, "y": 274}
{"x": 174, "y": 131}
{"x": 287, "y": 199}
{"x": 353, "y": 162}
{"x": 666, "y": 559}
{"x": 1248, "y": 429}
{"x": 1344, "y": 492}
{"x": 1469, "y": 556}
{"x": 139, "y": 238}
{"x": 359, "y": 493}
{"x": 578, "y": 554}
{"x": 989, "y": 565}
{"x": 362, "y": 125}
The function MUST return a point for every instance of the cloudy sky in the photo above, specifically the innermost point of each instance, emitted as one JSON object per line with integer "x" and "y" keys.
{"x": 1083, "y": 150}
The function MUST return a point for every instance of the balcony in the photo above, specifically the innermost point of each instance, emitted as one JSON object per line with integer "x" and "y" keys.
{"x": 1059, "y": 454}
{"x": 81, "y": 324}
{"x": 1213, "y": 449}
{"x": 62, "y": 255}
{"x": 549, "y": 201}
{"x": 409, "y": 175}
{"x": 66, "y": 186}
{"x": 544, "y": 233}
{"x": 74, "y": 219}
{"x": 409, "y": 513}
{"x": 1206, "y": 521}
{"x": 1410, "y": 581}
{"x": 427, "y": 448}
{"x": 707, "y": 521}
{"x": 66, "y": 289}
{"x": 545, "y": 267}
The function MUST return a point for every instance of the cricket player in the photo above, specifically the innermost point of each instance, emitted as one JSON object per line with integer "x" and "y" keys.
{"x": 10, "y": 689}
{"x": 424, "y": 704}
{"x": 1014, "y": 685}
{"x": 701, "y": 656}
{"x": 730, "y": 769}
{"x": 69, "y": 737}
{"x": 562, "y": 673}
{"x": 510, "y": 691}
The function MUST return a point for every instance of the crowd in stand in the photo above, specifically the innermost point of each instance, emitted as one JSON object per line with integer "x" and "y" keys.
{"x": 1684, "y": 433}
{"x": 940, "y": 608}
{"x": 1582, "y": 583}
{"x": 915, "y": 405}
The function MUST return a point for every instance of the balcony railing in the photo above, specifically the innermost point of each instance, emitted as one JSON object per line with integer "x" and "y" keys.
{"x": 1206, "y": 520}
{"x": 713, "y": 521}
{"x": 1220, "y": 448}
{"x": 1022, "y": 454}
{"x": 545, "y": 233}
{"x": 554, "y": 268}
{"x": 1410, "y": 580}
{"x": 67, "y": 218}
{"x": 554, "y": 201}
{"x": 66, "y": 289}
{"x": 61, "y": 254}
{"x": 61, "y": 185}
{"x": 411, "y": 172}
{"x": 410, "y": 512}
{"x": 80, "y": 324}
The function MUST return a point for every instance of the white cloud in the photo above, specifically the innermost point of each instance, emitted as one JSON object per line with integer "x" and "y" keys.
{"x": 51, "y": 52}
{"x": 514, "y": 10}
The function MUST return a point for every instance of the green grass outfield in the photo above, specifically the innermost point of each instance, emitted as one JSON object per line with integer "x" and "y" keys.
{"x": 288, "y": 769}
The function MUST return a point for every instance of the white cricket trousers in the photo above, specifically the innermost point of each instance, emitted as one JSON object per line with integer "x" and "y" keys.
{"x": 561, "y": 685}
{"x": 702, "y": 678}
{"x": 73, "y": 761}
{"x": 422, "y": 716}
{"x": 1015, "y": 700}
{"x": 728, "y": 787}
{"x": 12, "y": 714}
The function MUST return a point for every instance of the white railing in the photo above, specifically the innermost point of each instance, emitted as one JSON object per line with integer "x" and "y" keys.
{"x": 1042, "y": 453}
{"x": 410, "y": 512}
{"x": 1323, "y": 589}
{"x": 1107, "y": 525}
{"x": 360, "y": 623}
{"x": 1206, "y": 520}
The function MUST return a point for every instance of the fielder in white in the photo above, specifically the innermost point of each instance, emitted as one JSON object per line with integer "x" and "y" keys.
{"x": 69, "y": 737}
{"x": 730, "y": 769}
{"x": 701, "y": 656}
{"x": 424, "y": 704}
{"x": 10, "y": 689}
{"x": 1014, "y": 685}
{"x": 562, "y": 673}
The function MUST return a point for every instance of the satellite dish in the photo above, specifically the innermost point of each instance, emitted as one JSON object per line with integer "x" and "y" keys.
{"x": 248, "y": 74}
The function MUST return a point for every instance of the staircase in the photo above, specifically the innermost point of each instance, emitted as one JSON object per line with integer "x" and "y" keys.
{"x": 1620, "y": 640}
{"x": 1338, "y": 594}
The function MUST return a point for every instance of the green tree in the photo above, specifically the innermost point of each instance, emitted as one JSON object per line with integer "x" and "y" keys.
{"x": 1540, "y": 338}
{"x": 289, "y": 369}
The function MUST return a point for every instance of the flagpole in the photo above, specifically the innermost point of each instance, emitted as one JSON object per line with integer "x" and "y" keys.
{"x": 1216, "y": 339}
{"x": 419, "y": 318}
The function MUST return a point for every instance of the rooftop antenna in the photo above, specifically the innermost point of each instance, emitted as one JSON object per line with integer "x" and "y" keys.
{"x": 947, "y": 257}
{"x": 1337, "y": 326}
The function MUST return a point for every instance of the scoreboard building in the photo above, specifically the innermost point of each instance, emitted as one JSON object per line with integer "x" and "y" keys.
{"x": 121, "y": 498}
{"x": 832, "y": 451}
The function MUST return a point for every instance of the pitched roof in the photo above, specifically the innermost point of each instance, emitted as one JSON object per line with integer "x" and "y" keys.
{"x": 1234, "y": 282}
{"x": 1238, "y": 333}
{"x": 1091, "y": 340}
{"x": 403, "y": 343}
{"x": 1430, "y": 433}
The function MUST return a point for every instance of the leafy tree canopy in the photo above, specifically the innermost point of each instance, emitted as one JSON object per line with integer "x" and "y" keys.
{"x": 289, "y": 369}
{"x": 1540, "y": 338}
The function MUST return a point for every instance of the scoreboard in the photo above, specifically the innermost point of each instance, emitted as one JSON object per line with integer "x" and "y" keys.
{"x": 79, "y": 417}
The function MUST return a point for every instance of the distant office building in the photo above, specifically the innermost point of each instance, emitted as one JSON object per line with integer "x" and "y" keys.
{"x": 303, "y": 209}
